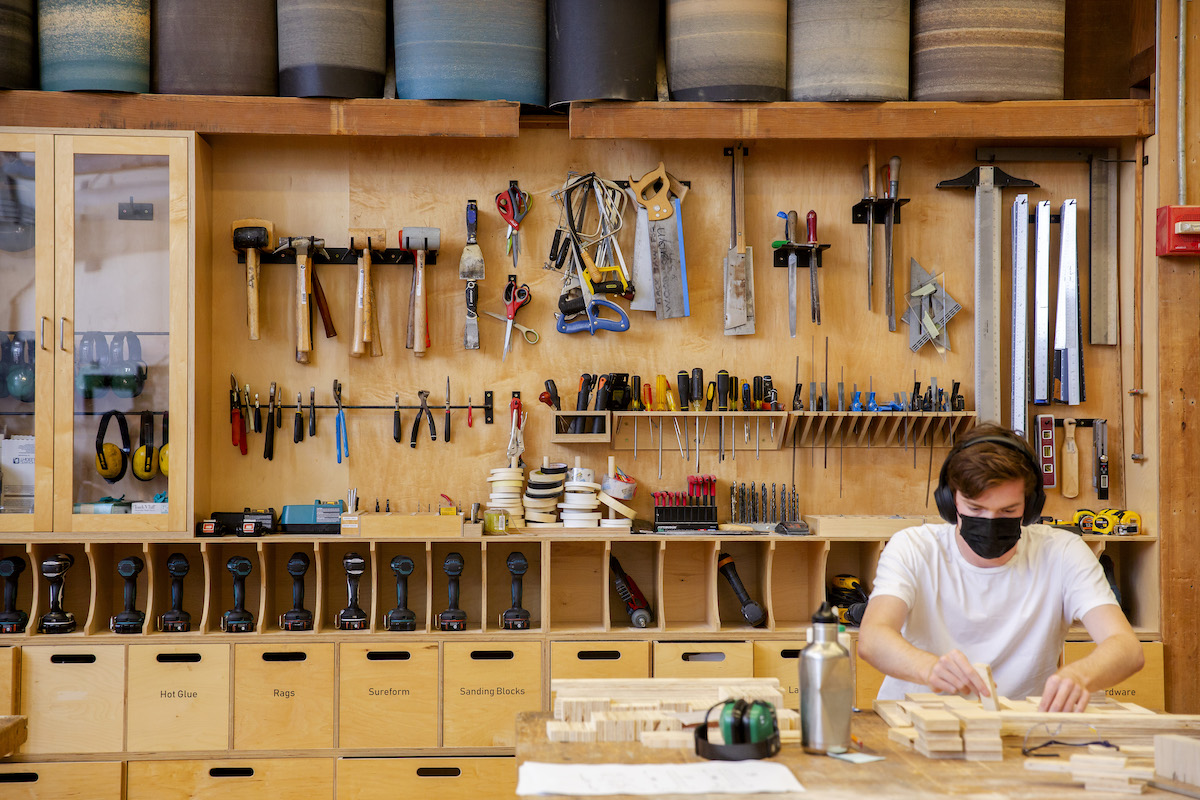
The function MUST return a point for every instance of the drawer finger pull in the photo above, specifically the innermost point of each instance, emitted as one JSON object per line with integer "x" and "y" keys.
{"x": 438, "y": 772}
{"x": 73, "y": 658}
{"x": 492, "y": 655}
{"x": 231, "y": 772}
{"x": 704, "y": 656}
{"x": 18, "y": 777}
{"x": 178, "y": 658}
{"x": 388, "y": 655}
{"x": 790, "y": 652}
{"x": 284, "y": 656}
{"x": 598, "y": 655}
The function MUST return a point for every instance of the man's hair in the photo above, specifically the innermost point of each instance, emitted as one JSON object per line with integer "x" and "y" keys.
{"x": 973, "y": 470}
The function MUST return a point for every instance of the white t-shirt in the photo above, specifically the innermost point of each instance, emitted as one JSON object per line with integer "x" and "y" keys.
{"x": 1014, "y": 617}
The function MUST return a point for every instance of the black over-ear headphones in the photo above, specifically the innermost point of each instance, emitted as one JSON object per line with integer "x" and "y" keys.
{"x": 944, "y": 495}
{"x": 112, "y": 460}
{"x": 749, "y": 728}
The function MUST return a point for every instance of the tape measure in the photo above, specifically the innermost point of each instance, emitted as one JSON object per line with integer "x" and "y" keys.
{"x": 1117, "y": 521}
{"x": 1084, "y": 519}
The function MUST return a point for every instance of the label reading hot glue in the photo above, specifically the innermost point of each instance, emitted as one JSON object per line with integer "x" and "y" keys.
{"x": 178, "y": 694}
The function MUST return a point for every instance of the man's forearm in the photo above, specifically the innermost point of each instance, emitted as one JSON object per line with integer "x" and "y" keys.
{"x": 890, "y": 653}
{"x": 1113, "y": 660}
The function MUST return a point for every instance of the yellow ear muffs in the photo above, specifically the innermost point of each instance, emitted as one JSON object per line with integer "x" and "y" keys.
{"x": 145, "y": 458}
{"x": 112, "y": 460}
{"x": 164, "y": 452}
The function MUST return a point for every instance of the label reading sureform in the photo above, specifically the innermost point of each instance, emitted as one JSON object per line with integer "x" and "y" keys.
{"x": 373, "y": 692}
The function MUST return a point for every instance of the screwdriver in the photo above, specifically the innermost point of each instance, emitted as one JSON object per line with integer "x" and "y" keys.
{"x": 312, "y": 410}
{"x": 733, "y": 392}
{"x": 697, "y": 392}
{"x": 671, "y": 407}
{"x": 396, "y": 420}
{"x": 581, "y": 401}
{"x": 684, "y": 385}
{"x": 597, "y": 425}
{"x": 747, "y": 405}
{"x": 298, "y": 427}
{"x": 722, "y": 390}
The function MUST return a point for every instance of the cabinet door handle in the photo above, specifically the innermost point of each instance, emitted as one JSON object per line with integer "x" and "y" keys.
{"x": 42, "y": 332}
{"x": 62, "y": 340}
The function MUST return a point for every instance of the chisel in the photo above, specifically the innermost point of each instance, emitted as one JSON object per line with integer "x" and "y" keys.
{"x": 396, "y": 435}
{"x": 447, "y": 408}
{"x": 793, "y": 221}
{"x": 298, "y": 427}
{"x": 893, "y": 190}
{"x": 312, "y": 410}
{"x": 869, "y": 194}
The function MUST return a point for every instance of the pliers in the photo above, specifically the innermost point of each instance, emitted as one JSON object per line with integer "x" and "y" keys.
{"x": 339, "y": 424}
{"x": 412, "y": 441}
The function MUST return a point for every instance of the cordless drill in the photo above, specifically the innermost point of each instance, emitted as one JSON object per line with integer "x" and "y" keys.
{"x": 297, "y": 618}
{"x": 238, "y": 619}
{"x": 131, "y": 619}
{"x": 453, "y": 618}
{"x": 401, "y": 618}
{"x": 352, "y": 618}
{"x": 175, "y": 619}
{"x": 56, "y": 620}
{"x": 635, "y": 602}
{"x": 11, "y": 619}
{"x": 516, "y": 618}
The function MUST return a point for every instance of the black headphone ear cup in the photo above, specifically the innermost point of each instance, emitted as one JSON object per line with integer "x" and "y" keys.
{"x": 943, "y": 495}
{"x": 112, "y": 460}
{"x": 145, "y": 458}
{"x": 741, "y": 722}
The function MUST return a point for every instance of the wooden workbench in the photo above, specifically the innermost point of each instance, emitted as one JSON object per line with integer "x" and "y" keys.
{"x": 904, "y": 775}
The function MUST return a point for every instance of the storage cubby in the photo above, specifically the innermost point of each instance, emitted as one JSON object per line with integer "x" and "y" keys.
{"x": 109, "y": 593}
{"x": 578, "y": 582}
{"x": 333, "y": 592}
{"x": 750, "y": 561}
{"x": 499, "y": 583}
{"x": 195, "y": 583}
{"x": 689, "y": 573}
{"x": 470, "y": 584}
{"x": 277, "y": 582}
{"x": 1135, "y": 567}
{"x": 27, "y": 585}
{"x": 853, "y": 558}
{"x": 78, "y": 588}
{"x": 418, "y": 582}
{"x": 796, "y": 582}
{"x": 216, "y": 556}
{"x": 640, "y": 560}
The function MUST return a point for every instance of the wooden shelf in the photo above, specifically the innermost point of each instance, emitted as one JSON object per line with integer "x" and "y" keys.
{"x": 261, "y": 115}
{"x": 878, "y": 428}
{"x": 1076, "y": 120}
{"x": 768, "y": 428}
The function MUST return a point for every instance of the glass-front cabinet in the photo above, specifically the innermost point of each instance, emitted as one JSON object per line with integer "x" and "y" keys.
{"x": 121, "y": 333}
{"x": 26, "y": 335}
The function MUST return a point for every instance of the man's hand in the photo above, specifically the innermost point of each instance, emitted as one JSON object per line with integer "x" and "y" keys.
{"x": 1065, "y": 690}
{"x": 953, "y": 674}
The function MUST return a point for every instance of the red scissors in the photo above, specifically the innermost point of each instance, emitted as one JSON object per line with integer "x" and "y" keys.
{"x": 513, "y": 206}
{"x": 514, "y": 297}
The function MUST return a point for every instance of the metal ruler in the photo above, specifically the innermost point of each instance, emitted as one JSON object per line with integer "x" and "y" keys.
{"x": 1019, "y": 396}
{"x": 1041, "y": 306}
{"x": 1068, "y": 356}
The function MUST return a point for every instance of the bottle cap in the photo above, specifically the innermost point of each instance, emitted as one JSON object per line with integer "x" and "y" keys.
{"x": 825, "y": 615}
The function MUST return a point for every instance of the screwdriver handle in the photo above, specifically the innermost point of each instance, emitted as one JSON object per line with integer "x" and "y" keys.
{"x": 636, "y": 402}
{"x": 758, "y": 393}
{"x": 662, "y": 390}
{"x": 811, "y": 220}
{"x": 722, "y": 390}
{"x": 709, "y": 394}
{"x": 298, "y": 426}
{"x": 684, "y": 386}
{"x": 670, "y": 398}
{"x": 697, "y": 392}
{"x": 396, "y": 435}
{"x": 747, "y": 403}
{"x": 894, "y": 177}
{"x": 733, "y": 392}
{"x": 793, "y": 226}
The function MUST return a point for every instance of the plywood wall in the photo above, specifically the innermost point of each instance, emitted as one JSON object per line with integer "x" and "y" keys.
{"x": 322, "y": 186}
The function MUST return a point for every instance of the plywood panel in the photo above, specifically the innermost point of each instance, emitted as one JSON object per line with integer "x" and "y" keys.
{"x": 1144, "y": 688}
{"x": 325, "y": 186}
{"x": 484, "y": 685}
{"x": 599, "y": 660}
{"x": 281, "y": 704}
{"x": 703, "y": 659}
{"x": 178, "y": 698}
{"x": 444, "y": 778}
{"x": 65, "y": 781}
{"x": 388, "y": 695}
{"x": 10, "y": 677}
{"x": 74, "y": 696}
{"x": 243, "y": 779}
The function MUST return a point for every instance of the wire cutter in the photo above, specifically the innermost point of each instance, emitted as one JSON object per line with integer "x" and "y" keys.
{"x": 339, "y": 424}
{"x": 513, "y": 206}
{"x": 514, "y": 297}
{"x": 412, "y": 440}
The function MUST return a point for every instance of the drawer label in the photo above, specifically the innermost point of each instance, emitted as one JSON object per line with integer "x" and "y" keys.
{"x": 178, "y": 694}
{"x": 490, "y": 691}
{"x": 373, "y": 692}
{"x": 286, "y": 694}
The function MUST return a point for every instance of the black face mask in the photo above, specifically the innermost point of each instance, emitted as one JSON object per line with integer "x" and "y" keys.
{"x": 990, "y": 538}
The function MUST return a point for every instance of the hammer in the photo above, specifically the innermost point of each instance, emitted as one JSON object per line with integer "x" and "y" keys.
{"x": 304, "y": 247}
{"x": 252, "y": 235}
{"x": 366, "y": 323}
{"x": 420, "y": 241}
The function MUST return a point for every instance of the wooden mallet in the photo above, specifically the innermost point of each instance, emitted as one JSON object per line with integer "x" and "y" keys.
{"x": 420, "y": 241}
{"x": 252, "y": 235}
{"x": 366, "y": 323}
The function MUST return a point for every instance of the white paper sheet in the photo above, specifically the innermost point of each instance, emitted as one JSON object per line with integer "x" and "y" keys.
{"x": 713, "y": 777}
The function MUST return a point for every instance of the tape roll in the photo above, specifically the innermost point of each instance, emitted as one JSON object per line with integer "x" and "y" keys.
{"x": 580, "y": 506}
{"x": 503, "y": 483}
{"x": 545, "y": 484}
{"x": 544, "y": 525}
{"x": 543, "y": 492}
{"x": 616, "y": 523}
{"x": 557, "y": 468}
{"x": 617, "y": 505}
{"x": 537, "y": 502}
{"x": 540, "y": 516}
{"x": 575, "y": 486}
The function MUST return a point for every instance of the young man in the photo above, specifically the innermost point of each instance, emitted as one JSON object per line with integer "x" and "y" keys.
{"x": 987, "y": 589}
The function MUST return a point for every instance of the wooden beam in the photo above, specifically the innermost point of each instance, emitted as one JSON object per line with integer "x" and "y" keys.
{"x": 261, "y": 115}
{"x": 1077, "y": 120}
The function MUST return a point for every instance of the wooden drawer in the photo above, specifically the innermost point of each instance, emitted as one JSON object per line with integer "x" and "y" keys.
{"x": 1144, "y": 688}
{"x": 484, "y": 685}
{"x": 441, "y": 778}
{"x": 10, "y": 680}
{"x": 283, "y": 696}
{"x": 781, "y": 660}
{"x": 703, "y": 660}
{"x": 178, "y": 698}
{"x": 599, "y": 660}
{"x": 97, "y": 780}
{"x": 249, "y": 779}
{"x": 74, "y": 697}
{"x": 388, "y": 695}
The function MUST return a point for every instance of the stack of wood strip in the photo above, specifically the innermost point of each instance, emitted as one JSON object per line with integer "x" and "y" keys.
{"x": 1177, "y": 758}
{"x": 1098, "y": 773}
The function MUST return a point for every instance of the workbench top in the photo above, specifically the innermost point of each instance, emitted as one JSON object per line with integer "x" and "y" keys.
{"x": 904, "y": 775}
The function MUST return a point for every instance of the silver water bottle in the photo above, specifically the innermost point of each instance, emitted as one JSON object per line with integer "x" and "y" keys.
{"x": 826, "y": 688}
